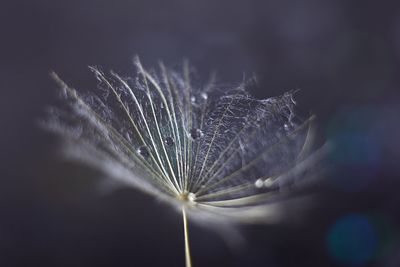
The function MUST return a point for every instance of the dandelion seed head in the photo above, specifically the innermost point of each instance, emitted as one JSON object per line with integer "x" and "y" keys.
{"x": 229, "y": 155}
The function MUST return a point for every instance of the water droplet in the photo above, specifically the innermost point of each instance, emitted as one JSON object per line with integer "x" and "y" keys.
{"x": 195, "y": 133}
{"x": 169, "y": 141}
{"x": 143, "y": 151}
{"x": 193, "y": 99}
{"x": 191, "y": 197}
{"x": 259, "y": 183}
{"x": 204, "y": 95}
{"x": 268, "y": 182}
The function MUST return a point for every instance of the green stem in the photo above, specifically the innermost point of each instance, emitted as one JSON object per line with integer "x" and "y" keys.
{"x": 188, "y": 258}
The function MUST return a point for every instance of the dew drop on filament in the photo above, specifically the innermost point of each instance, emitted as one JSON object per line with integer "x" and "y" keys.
{"x": 195, "y": 133}
{"x": 259, "y": 183}
{"x": 143, "y": 151}
{"x": 204, "y": 96}
{"x": 268, "y": 182}
{"x": 169, "y": 141}
{"x": 191, "y": 197}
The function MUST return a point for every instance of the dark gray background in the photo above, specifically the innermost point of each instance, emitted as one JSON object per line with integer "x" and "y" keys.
{"x": 343, "y": 55}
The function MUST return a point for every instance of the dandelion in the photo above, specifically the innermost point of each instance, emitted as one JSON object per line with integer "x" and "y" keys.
{"x": 217, "y": 154}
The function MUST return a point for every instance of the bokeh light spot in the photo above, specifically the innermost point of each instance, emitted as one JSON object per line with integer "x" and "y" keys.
{"x": 356, "y": 153}
{"x": 352, "y": 240}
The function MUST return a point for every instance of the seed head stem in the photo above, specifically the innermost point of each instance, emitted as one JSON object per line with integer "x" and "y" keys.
{"x": 188, "y": 258}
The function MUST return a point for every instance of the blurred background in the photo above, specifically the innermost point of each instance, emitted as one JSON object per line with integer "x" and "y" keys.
{"x": 343, "y": 55}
